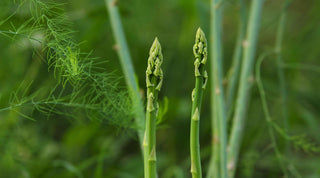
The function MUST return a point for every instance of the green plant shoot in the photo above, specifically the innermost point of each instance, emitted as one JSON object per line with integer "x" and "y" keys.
{"x": 200, "y": 53}
{"x": 154, "y": 79}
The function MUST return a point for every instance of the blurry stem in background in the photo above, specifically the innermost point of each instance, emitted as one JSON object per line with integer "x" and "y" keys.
{"x": 267, "y": 113}
{"x": 154, "y": 81}
{"x": 244, "y": 86}
{"x": 233, "y": 74}
{"x": 201, "y": 55}
{"x": 127, "y": 66}
{"x": 280, "y": 71}
{"x": 218, "y": 165}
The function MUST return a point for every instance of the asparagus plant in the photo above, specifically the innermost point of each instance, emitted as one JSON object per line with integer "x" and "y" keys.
{"x": 244, "y": 85}
{"x": 200, "y": 53}
{"x": 279, "y": 61}
{"x": 233, "y": 74}
{"x": 126, "y": 64}
{"x": 218, "y": 159}
{"x": 154, "y": 79}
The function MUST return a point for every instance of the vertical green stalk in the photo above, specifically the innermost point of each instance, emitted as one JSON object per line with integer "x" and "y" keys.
{"x": 200, "y": 52}
{"x": 268, "y": 116}
{"x": 154, "y": 81}
{"x": 126, "y": 64}
{"x": 279, "y": 61}
{"x": 233, "y": 75}
{"x": 218, "y": 165}
{"x": 244, "y": 85}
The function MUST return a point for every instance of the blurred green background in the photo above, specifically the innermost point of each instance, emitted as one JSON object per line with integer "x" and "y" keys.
{"x": 58, "y": 146}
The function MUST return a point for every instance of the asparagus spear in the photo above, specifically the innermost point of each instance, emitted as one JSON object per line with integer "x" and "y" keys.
{"x": 154, "y": 78}
{"x": 200, "y": 53}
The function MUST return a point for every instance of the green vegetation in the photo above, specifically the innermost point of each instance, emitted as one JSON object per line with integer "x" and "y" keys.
{"x": 154, "y": 77}
{"x": 201, "y": 54}
{"x": 126, "y": 64}
{"x": 218, "y": 165}
{"x": 80, "y": 97}
{"x": 244, "y": 85}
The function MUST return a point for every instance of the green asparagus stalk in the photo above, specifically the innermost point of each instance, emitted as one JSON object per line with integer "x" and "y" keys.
{"x": 218, "y": 164}
{"x": 244, "y": 86}
{"x": 126, "y": 64}
{"x": 280, "y": 72}
{"x": 200, "y": 53}
{"x": 154, "y": 79}
{"x": 233, "y": 75}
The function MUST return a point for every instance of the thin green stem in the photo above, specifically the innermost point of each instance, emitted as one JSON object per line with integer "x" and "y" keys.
{"x": 267, "y": 113}
{"x": 233, "y": 74}
{"x": 154, "y": 81}
{"x": 244, "y": 86}
{"x": 200, "y": 53}
{"x": 280, "y": 71}
{"x": 218, "y": 163}
{"x": 127, "y": 66}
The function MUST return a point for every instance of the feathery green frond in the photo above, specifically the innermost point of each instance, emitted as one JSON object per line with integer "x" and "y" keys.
{"x": 84, "y": 89}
